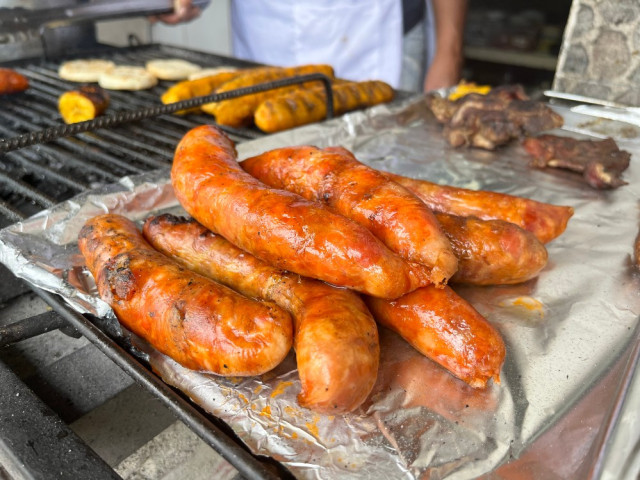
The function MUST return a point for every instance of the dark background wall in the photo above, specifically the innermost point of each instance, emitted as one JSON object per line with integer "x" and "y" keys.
{"x": 515, "y": 41}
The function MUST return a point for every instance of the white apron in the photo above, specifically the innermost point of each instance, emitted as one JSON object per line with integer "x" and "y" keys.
{"x": 361, "y": 39}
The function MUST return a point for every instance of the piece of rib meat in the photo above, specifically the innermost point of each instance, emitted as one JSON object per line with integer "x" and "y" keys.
{"x": 488, "y": 121}
{"x": 601, "y": 162}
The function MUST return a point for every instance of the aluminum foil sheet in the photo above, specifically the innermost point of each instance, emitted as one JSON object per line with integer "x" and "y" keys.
{"x": 568, "y": 332}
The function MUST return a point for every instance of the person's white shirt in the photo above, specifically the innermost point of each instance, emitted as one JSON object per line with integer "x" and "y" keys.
{"x": 361, "y": 39}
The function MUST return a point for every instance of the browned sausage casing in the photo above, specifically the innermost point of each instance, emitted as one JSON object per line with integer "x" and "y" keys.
{"x": 281, "y": 227}
{"x": 336, "y": 338}
{"x": 238, "y": 112}
{"x": 544, "y": 220}
{"x": 199, "y": 323}
{"x": 447, "y": 329}
{"x": 308, "y": 105}
{"x": 492, "y": 252}
{"x": 392, "y": 213}
{"x": 12, "y": 81}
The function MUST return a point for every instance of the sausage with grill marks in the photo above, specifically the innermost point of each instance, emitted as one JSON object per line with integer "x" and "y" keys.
{"x": 280, "y": 227}
{"x": 388, "y": 210}
{"x": 238, "y": 112}
{"x": 308, "y": 105}
{"x": 199, "y": 323}
{"x": 336, "y": 338}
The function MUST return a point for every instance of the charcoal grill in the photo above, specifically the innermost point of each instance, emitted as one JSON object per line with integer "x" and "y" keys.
{"x": 41, "y": 175}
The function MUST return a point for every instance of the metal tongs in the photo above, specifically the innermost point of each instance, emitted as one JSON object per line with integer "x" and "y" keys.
{"x": 599, "y": 108}
{"x": 19, "y": 19}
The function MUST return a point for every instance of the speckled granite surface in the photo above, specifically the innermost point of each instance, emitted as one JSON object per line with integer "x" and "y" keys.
{"x": 600, "y": 56}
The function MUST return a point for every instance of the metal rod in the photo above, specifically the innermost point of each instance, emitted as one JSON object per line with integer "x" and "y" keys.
{"x": 53, "y": 133}
{"x": 30, "y": 327}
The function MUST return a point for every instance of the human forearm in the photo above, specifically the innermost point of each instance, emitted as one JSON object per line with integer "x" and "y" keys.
{"x": 450, "y": 16}
{"x": 183, "y": 11}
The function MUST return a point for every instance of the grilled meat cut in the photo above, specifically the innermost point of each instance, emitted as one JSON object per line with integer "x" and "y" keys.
{"x": 488, "y": 121}
{"x": 601, "y": 162}
{"x": 444, "y": 108}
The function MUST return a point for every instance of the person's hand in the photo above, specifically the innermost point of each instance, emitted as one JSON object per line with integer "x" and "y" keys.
{"x": 444, "y": 72}
{"x": 183, "y": 11}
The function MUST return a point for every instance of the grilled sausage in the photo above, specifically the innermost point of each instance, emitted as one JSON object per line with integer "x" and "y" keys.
{"x": 447, "y": 329}
{"x": 544, "y": 220}
{"x": 238, "y": 112}
{"x": 200, "y": 324}
{"x": 336, "y": 339}
{"x": 304, "y": 106}
{"x": 389, "y": 211}
{"x": 281, "y": 227}
{"x": 200, "y": 87}
{"x": 492, "y": 252}
{"x": 12, "y": 81}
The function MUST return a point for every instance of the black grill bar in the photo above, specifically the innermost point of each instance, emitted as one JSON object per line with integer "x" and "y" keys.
{"x": 103, "y": 144}
{"x": 27, "y": 191}
{"x": 106, "y": 121}
{"x": 33, "y": 165}
{"x": 31, "y": 327}
{"x": 35, "y": 443}
{"x": 11, "y": 213}
{"x": 87, "y": 167}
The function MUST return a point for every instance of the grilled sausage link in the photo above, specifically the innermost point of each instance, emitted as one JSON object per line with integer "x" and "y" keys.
{"x": 389, "y": 211}
{"x": 12, "y": 81}
{"x": 447, "y": 329}
{"x": 199, "y": 87}
{"x": 304, "y": 106}
{"x": 336, "y": 339}
{"x": 238, "y": 112}
{"x": 492, "y": 252}
{"x": 544, "y": 220}
{"x": 281, "y": 227}
{"x": 200, "y": 324}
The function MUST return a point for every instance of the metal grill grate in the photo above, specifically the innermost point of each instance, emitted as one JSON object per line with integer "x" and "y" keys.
{"x": 40, "y": 176}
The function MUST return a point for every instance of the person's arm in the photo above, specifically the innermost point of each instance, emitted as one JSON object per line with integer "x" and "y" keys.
{"x": 183, "y": 11}
{"x": 450, "y": 16}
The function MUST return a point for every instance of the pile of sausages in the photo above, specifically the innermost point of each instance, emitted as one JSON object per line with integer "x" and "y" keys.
{"x": 309, "y": 248}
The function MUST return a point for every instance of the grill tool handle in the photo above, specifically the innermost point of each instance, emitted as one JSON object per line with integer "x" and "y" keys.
{"x": 18, "y": 19}
{"x": 53, "y": 133}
